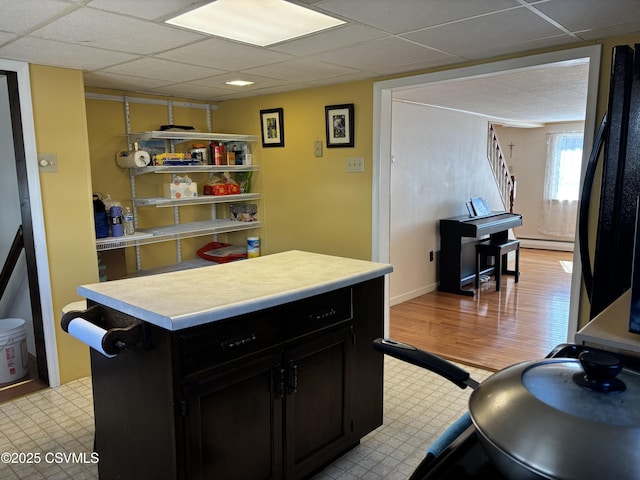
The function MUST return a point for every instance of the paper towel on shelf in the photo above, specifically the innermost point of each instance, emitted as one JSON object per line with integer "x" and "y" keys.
{"x": 136, "y": 159}
{"x": 88, "y": 333}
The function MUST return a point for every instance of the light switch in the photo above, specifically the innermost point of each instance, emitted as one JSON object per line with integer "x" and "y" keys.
{"x": 355, "y": 165}
{"x": 317, "y": 148}
{"x": 48, "y": 162}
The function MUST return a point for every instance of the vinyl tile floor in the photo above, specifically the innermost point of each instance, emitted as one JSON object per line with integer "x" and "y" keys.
{"x": 49, "y": 434}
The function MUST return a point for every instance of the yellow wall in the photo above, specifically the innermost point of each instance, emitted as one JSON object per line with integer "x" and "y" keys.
{"x": 60, "y": 126}
{"x": 311, "y": 203}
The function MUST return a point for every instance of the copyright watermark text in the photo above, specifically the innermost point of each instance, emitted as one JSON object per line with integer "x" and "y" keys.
{"x": 48, "y": 457}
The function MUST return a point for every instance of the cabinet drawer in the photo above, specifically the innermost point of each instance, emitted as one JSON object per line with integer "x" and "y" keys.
{"x": 226, "y": 340}
{"x": 319, "y": 312}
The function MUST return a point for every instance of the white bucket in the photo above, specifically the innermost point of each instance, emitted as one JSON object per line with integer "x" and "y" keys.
{"x": 14, "y": 357}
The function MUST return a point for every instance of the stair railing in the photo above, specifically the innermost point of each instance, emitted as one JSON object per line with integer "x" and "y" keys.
{"x": 505, "y": 181}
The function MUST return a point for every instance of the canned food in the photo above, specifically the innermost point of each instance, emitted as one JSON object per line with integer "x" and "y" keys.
{"x": 199, "y": 152}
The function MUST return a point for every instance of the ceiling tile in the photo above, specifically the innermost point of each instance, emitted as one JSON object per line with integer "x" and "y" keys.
{"x": 147, "y": 9}
{"x": 420, "y": 65}
{"x": 300, "y": 70}
{"x": 479, "y": 52}
{"x": 122, "y": 82}
{"x": 381, "y": 54}
{"x": 49, "y": 52}
{"x": 329, "y": 40}
{"x": 96, "y": 28}
{"x": 189, "y": 90}
{"x": 399, "y": 17}
{"x": 466, "y": 38}
{"x": 579, "y": 15}
{"x": 614, "y": 31}
{"x": 6, "y": 37}
{"x": 163, "y": 70}
{"x": 222, "y": 54}
{"x": 19, "y": 17}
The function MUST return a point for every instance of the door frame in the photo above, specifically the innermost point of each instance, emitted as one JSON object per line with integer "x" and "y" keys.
{"x": 21, "y": 70}
{"x": 381, "y": 169}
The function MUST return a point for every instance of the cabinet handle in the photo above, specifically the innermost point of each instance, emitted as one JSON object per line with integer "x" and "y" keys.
{"x": 292, "y": 378}
{"x": 238, "y": 341}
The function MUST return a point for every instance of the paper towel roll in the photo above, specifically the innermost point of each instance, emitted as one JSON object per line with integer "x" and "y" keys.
{"x": 88, "y": 333}
{"x": 136, "y": 159}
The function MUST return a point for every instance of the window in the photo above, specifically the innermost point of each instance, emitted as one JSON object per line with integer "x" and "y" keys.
{"x": 562, "y": 184}
{"x": 563, "y": 166}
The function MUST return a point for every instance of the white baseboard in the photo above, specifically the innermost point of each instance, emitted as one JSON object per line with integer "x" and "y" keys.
{"x": 405, "y": 297}
{"x": 547, "y": 244}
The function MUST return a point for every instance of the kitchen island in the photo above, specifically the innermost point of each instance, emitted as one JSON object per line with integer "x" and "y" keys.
{"x": 250, "y": 370}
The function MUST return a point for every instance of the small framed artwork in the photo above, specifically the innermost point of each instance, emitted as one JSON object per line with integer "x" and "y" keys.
{"x": 339, "y": 121}
{"x": 272, "y": 127}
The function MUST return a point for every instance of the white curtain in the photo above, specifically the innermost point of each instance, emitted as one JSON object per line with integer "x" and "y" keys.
{"x": 562, "y": 185}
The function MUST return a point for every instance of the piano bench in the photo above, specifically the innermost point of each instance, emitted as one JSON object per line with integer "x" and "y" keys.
{"x": 498, "y": 250}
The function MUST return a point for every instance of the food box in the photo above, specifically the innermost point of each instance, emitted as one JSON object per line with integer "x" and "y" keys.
{"x": 180, "y": 190}
{"x": 233, "y": 189}
{"x": 221, "y": 189}
{"x": 175, "y": 159}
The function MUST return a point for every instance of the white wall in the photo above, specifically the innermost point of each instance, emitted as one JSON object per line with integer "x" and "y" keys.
{"x": 528, "y": 163}
{"x": 439, "y": 162}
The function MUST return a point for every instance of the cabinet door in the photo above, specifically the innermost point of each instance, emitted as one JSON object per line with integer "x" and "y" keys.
{"x": 234, "y": 422}
{"x": 317, "y": 417}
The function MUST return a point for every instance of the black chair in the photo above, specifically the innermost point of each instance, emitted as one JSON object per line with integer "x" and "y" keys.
{"x": 498, "y": 250}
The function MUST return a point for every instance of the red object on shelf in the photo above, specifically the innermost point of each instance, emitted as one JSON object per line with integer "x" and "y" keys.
{"x": 222, "y": 252}
{"x": 233, "y": 189}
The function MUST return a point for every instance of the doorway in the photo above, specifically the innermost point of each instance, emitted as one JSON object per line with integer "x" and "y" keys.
{"x": 382, "y": 159}
{"x": 26, "y": 291}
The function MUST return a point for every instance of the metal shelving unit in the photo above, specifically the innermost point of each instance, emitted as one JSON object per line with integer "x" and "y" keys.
{"x": 174, "y": 232}
{"x": 179, "y": 231}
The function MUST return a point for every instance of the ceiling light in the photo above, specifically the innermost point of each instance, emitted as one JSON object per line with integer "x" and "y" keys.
{"x": 259, "y": 22}
{"x": 239, "y": 83}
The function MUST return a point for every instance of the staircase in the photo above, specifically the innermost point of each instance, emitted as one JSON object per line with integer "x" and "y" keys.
{"x": 505, "y": 181}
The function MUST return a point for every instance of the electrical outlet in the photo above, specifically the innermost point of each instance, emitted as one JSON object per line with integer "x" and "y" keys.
{"x": 317, "y": 148}
{"x": 355, "y": 165}
{"x": 48, "y": 162}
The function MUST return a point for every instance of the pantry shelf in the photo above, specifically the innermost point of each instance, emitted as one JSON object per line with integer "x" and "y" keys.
{"x": 183, "y": 136}
{"x": 195, "y": 169}
{"x": 200, "y": 200}
{"x": 174, "y": 232}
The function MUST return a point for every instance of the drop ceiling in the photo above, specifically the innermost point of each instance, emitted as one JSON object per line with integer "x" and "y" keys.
{"x": 126, "y": 45}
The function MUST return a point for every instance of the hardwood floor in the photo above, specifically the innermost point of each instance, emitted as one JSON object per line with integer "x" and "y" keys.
{"x": 523, "y": 321}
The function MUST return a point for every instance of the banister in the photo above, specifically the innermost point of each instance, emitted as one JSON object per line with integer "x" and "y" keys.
{"x": 505, "y": 181}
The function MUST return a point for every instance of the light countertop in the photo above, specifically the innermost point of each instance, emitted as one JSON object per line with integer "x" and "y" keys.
{"x": 609, "y": 330}
{"x": 183, "y": 299}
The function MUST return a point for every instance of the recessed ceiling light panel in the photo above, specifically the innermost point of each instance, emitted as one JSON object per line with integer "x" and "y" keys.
{"x": 259, "y": 22}
{"x": 239, "y": 83}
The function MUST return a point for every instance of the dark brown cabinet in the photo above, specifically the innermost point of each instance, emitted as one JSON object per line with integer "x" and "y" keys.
{"x": 251, "y": 419}
{"x": 233, "y": 423}
{"x": 317, "y": 406}
{"x": 275, "y": 394}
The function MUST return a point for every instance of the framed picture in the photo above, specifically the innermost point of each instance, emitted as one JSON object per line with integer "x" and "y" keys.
{"x": 339, "y": 121}
{"x": 272, "y": 127}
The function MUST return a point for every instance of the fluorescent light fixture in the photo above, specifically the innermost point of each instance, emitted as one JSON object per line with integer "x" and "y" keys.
{"x": 239, "y": 83}
{"x": 259, "y": 22}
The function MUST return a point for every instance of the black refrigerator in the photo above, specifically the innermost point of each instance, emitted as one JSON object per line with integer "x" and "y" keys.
{"x": 617, "y": 144}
